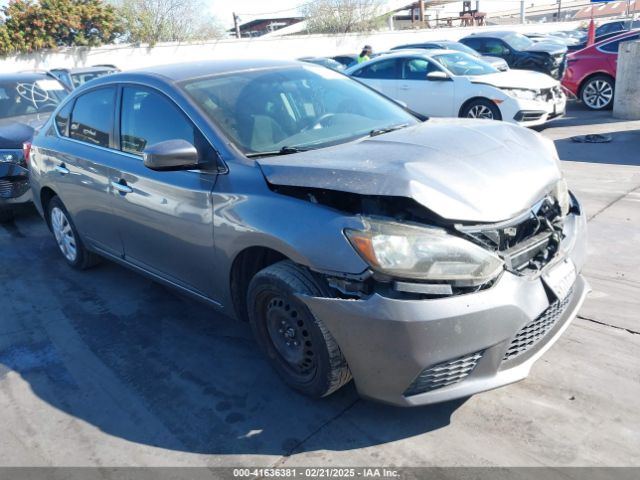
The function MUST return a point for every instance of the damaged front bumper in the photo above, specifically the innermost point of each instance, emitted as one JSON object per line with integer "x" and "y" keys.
{"x": 417, "y": 352}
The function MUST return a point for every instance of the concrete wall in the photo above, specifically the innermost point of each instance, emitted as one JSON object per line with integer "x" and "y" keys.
{"x": 127, "y": 57}
{"x": 626, "y": 103}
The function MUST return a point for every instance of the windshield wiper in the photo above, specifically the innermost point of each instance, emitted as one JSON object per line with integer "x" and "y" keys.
{"x": 381, "y": 131}
{"x": 283, "y": 151}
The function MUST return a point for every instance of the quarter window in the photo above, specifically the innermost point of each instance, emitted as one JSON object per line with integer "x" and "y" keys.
{"x": 92, "y": 117}
{"x": 148, "y": 118}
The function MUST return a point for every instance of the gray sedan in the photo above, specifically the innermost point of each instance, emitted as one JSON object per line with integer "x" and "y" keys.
{"x": 358, "y": 240}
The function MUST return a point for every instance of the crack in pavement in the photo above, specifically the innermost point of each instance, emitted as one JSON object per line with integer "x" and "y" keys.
{"x": 613, "y": 202}
{"x": 633, "y": 332}
{"x": 304, "y": 440}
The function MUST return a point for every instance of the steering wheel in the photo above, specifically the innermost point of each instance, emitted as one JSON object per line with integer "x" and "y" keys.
{"x": 318, "y": 122}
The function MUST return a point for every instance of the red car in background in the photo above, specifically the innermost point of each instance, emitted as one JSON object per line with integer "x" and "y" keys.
{"x": 591, "y": 73}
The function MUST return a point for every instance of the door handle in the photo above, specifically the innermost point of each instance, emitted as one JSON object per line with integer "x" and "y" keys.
{"x": 122, "y": 187}
{"x": 61, "y": 169}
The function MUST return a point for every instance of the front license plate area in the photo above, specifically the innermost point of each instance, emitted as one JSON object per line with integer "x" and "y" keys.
{"x": 560, "y": 278}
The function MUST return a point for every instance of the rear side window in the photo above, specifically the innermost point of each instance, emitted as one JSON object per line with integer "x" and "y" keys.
{"x": 474, "y": 43}
{"x": 148, "y": 118}
{"x": 612, "y": 47}
{"x": 92, "y": 117}
{"x": 62, "y": 119}
{"x": 383, "y": 70}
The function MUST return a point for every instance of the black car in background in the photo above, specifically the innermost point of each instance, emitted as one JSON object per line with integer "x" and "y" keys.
{"x": 26, "y": 102}
{"x": 74, "y": 77}
{"x": 346, "y": 59}
{"x": 520, "y": 51}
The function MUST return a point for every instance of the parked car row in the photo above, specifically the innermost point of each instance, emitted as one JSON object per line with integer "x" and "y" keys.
{"x": 26, "y": 102}
{"x": 426, "y": 259}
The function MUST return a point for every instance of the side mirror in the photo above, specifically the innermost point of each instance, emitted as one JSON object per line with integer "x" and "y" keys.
{"x": 171, "y": 155}
{"x": 437, "y": 76}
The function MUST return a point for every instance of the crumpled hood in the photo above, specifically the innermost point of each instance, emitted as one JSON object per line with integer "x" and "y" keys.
{"x": 547, "y": 47}
{"x": 516, "y": 79}
{"x": 463, "y": 170}
{"x": 14, "y": 131}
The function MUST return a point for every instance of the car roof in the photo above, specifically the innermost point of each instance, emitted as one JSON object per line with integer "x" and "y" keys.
{"x": 25, "y": 76}
{"x": 491, "y": 34}
{"x": 419, "y": 52}
{"x": 618, "y": 35}
{"x": 185, "y": 71}
{"x": 82, "y": 69}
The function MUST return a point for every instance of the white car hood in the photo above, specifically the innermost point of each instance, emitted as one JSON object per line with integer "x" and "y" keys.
{"x": 464, "y": 170}
{"x": 516, "y": 79}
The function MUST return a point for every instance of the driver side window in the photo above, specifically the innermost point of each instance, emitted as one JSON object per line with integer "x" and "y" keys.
{"x": 417, "y": 68}
{"x": 495, "y": 47}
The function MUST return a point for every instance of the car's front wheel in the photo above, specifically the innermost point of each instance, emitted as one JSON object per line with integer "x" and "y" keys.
{"x": 67, "y": 238}
{"x": 301, "y": 349}
{"x": 481, "y": 108}
{"x": 597, "y": 92}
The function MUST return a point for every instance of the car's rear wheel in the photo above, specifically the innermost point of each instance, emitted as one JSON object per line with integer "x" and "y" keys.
{"x": 67, "y": 238}
{"x": 300, "y": 347}
{"x": 6, "y": 214}
{"x": 481, "y": 108}
{"x": 597, "y": 92}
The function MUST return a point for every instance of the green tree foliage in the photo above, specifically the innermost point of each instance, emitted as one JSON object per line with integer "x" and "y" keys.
{"x": 31, "y": 25}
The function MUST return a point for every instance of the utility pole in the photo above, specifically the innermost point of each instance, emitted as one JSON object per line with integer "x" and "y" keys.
{"x": 421, "y": 13}
{"x": 522, "y": 11}
{"x": 236, "y": 24}
{"x": 559, "y": 10}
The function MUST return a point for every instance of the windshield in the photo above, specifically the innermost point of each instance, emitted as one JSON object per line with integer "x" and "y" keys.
{"x": 30, "y": 96}
{"x": 297, "y": 107}
{"x": 463, "y": 64}
{"x": 518, "y": 41}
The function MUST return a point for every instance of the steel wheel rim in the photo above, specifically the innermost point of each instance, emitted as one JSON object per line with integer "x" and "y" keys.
{"x": 598, "y": 94}
{"x": 290, "y": 337}
{"x": 64, "y": 235}
{"x": 480, "y": 111}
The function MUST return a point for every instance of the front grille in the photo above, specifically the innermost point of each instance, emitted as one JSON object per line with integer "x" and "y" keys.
{"x": 526, "y": 244}
{"x": 443, "y": 374}
{"x": 533, "y": 332}
{"x": 528, "y": 116}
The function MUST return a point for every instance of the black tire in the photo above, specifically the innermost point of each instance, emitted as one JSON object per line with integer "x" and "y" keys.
{"x": 473, "y": 108}
{"x": 597, "y": 92}
{"x": 6, "y": 214}
{"x": 83, "y": 258}
{"x": 315, "y": 365}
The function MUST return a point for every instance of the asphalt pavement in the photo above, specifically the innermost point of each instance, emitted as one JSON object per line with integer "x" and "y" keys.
{"x": 106, "y": 368}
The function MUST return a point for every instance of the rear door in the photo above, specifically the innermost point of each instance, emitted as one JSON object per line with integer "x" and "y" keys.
{"x": 165, "y": 218}
{"x": 383, "y": 75}
{"x": 427, "y": 97}
{"x": 81, "y": 168}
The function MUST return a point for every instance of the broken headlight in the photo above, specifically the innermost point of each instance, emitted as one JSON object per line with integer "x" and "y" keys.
{"x": 561, "y": 194}
{"x": 422, "y": 253}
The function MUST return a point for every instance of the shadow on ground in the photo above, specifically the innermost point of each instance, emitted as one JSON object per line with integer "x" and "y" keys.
{"x": 138, "y": 362}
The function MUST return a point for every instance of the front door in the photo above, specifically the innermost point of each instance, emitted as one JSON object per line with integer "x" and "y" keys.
{"x": 434, "y": 98}
{"x": 165, "y": 218}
